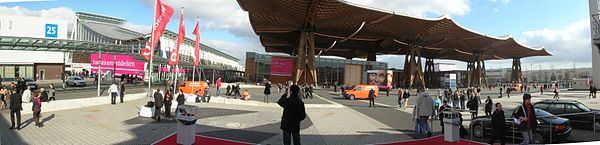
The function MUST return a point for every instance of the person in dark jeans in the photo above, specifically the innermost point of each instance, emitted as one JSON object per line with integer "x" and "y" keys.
{"x": 293, "y": 113}
{"x": 168, "y": 100}
{"x": 158, "y": 103}
{"x": 527, "y": 118}
{"x": 15, "y": 109}
{"x": 122, "y": 90}
{"x": 441, "y": 111}
{"x": 372, "y": 98}
{"x": 498, "y": 125}
{"x": 488, "y": 106}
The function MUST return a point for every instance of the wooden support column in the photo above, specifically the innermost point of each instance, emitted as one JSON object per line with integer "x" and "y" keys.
{"x": 430, "y": 76}
{"x": 470, "y": 68}
{"x": 412, "y": 68}
{"x": 516, "y": 74}
{"x": 305, "y": 60}
{"x": 371, "y": 56}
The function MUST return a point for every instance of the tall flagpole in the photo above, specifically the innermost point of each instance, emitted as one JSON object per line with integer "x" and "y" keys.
{"x": 196, "y": 58}
{"x": 151, "y": 52}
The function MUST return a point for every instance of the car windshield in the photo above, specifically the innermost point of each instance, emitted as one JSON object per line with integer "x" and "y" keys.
{"x": 76, "y": 78}
{"x": 583, "y": 107}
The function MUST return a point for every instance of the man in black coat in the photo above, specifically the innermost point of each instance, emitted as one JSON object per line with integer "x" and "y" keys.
{"x": 372, "y": 98}
{"x": 528, "y": 120}
{"x": 293, "y": 113}
{"x": 122, "y": 90}
{"x": 158, "y": 103}
{"x": 498, "y": 125}
{"x": 267, "y": 92}
{"x": 15, "y": 109}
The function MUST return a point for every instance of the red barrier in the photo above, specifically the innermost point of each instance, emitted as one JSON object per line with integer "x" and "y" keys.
{"x": 200, "y": 140}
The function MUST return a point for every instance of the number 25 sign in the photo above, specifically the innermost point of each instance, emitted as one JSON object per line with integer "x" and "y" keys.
{"x": 51, "y": 30}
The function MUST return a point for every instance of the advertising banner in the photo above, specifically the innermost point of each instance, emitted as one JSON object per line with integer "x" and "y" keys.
{"x": 281, "y": 66}
{"x": 165, "y": 69}
{"x": 381, "y": 78}
{"x": 125, "y": 64}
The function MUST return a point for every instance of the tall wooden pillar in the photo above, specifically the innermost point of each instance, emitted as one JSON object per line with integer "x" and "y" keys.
{"x": 305, "y": 60}
{"x": 371, "y": 56}
{"x": 470, "y": 68}
{"x": 430, "y": 76}
{"x": 516, "y": 74}
{"x": 412, "y": 68}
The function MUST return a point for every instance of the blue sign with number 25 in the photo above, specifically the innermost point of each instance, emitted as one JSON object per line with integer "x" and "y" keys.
{"x": 51, "y": 30}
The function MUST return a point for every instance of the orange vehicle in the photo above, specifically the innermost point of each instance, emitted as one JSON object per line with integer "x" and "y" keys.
{"x": 197, "y": 86}
{"x": 360, "y": 92}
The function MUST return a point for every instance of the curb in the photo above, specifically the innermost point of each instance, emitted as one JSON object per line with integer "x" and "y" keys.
{"x": 59, "y": 105}
{"x": 223, "y": 100}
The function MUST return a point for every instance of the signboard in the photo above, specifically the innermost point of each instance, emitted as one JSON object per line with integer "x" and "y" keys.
{"x": 281, "y": 66}
{"x": 381, "y": 78}
{"x": 125, "y": 64}
{"x": 51, "y": 30}
{"x": 452, "y": 81}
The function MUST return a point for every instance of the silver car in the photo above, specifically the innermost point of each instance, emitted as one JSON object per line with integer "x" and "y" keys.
{"x": 75, "y": 81}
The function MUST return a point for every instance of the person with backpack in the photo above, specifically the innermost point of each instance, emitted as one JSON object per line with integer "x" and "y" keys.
{"x": 525, "y": 119}
{"x": 498, "y": 125}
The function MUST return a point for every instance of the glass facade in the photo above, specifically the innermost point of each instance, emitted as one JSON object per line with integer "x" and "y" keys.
{"x": 10, "y": 72}
{"x": 329, "y": 70}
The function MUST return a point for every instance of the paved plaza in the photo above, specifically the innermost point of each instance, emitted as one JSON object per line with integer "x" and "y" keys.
{"x": 331, "y": 120}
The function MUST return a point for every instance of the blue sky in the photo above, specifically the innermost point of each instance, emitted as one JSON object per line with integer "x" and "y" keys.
{"x": 559, "y": 25}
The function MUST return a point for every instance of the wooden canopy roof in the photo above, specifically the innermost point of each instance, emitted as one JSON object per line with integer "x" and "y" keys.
{"x": 349, "y": 30}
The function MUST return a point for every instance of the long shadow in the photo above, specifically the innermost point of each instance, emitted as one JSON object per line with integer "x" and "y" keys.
{"x": 255, "y": 134}
{"x": 9, "y": 136}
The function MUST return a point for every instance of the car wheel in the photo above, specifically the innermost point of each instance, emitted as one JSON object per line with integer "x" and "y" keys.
{"x": 352, "y": 97}
{"x": 477, "y": 130}
{"x": 537, "y": 138}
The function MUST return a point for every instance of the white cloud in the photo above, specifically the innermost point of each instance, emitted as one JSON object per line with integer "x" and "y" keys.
{"x": 144, "y": 29}
{"x": 18, "y": 1}
{"x": 234, "y": 49}
{"x": 58, "y": 13}
{"x": 495, "y": 10}
{"x": 569, "y": 44}
{"x": 503, "y": 1}
{"x": 420, "y": 7}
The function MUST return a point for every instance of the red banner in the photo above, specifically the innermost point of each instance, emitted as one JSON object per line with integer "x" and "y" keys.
{"x": 174, "y": 58}
{"x": 162, "y": 15}
{"x": 146, "y": 52}
{"x": 197, "y": 45}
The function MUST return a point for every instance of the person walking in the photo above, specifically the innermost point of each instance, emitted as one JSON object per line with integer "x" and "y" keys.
{"x": 293, "y": 113}
{"x": 43, "y": 95}
{"x": 122, "y": 90}
{"x": 591, "y": 91}
{"x": 463, "y": 99}
{"x": 441, "y": 109}
{"x": 498, "y": 125}
{"x": 488, "y": 106}
{"x": 424, "y": 109}
{"x": 595, "y": 90}
{"x": 500, "y": 92}
{"x": 228, "y": 93}
{"x": 267, "y": 92}
{"x": 372, "y": 98}
{"x": 168, "y": 100}
{"x": 158, "y": 103}
{"x": 508, "y": 90}
{"x": 26, "y": 97}
{"x": 556, "y": 91}
{"x": 455, "y": 99}
{"x": 436, "y": 104}
{"x": 51, "y": 93}
{"x": 218, "y": 93}
{"x": 113, "y": 91}
{"x": 525, "y": 119}
{"x": 15, "y": 109}
{"x": 180, "y": 98}
{"x": 542, "y": 89}
{"x": 400, "y": 97}
{"x": 37, "y": 109}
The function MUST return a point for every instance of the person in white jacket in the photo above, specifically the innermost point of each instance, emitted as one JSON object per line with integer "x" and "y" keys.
{"x": 26, "y": 95}
{"x": 113, "y": 91}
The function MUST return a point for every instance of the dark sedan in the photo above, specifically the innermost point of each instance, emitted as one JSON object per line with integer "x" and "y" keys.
{"x": 561, "y": 128}
{"x": 583, "y": 117}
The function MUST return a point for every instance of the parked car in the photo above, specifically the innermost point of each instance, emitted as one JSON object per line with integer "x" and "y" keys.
{"x": 75, "y": 81}
{"x": 31, "y": 83}
{"x": 561, "y": 128}
{"x": 562, "y": 107}
{"x": 360, "y": 92}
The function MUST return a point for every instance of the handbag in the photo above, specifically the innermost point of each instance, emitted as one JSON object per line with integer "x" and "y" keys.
{"x": 517, "y": 120}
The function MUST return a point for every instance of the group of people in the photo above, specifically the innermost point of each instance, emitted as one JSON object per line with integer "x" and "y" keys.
{"x": 115, "y": 91}
{"x": 234, "y": 90}
{"x": 524, "y": 119}
{"x": 128, "y": 78}
{"x": 165, "y": 99}
{"x": 18, "y": 97}
{"x": 593, "y": 91}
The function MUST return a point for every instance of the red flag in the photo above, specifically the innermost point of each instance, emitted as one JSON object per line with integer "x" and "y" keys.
{"x": 146, "y": 51}
{"x": 197, "y": 45}
{"x": 162, "y": 15}
{"x": 174, "y": 58}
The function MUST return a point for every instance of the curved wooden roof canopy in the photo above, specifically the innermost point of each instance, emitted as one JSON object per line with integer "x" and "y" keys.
{"x": 348, "y": 30}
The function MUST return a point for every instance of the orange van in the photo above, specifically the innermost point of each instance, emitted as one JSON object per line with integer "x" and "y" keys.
{"x": 360, "y": 92}
{"x": 198, "y": 86}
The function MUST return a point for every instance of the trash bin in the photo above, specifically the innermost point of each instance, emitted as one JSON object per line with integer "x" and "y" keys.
{"x": 186, "y": 126}
{"x": 451, "y": 126}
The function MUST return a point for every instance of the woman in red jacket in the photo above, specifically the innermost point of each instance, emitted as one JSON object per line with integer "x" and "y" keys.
{"x": 37, "y": 109}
